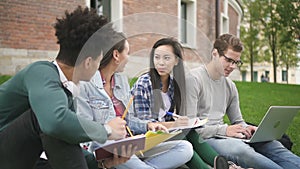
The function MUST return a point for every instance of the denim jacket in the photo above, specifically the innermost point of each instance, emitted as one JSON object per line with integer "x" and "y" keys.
{"x": 94, "y": 103}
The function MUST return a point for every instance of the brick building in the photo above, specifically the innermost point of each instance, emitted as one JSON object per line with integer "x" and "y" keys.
{"x": 27, "y": 33}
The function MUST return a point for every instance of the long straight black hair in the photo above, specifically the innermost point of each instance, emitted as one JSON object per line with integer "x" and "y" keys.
{"x": 178, "y": 78}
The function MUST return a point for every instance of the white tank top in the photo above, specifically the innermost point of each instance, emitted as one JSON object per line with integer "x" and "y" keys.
{"x": 167, "y": 105}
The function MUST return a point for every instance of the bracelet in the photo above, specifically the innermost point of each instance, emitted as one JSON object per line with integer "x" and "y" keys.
{"x": 103, "y": 165}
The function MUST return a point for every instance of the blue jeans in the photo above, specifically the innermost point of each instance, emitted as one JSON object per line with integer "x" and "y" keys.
{"x": 264, "y": 155}
{"x": 166, "y": 155}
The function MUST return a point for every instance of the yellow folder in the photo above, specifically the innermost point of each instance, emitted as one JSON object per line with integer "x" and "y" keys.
{"x": 154, "y": 138}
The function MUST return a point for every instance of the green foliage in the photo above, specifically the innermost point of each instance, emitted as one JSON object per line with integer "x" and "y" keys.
{"x": 250, "y": 30}
{"x": 255, "y": 99}
{"x": 132, "y": 81}
{"x": 4, "y": 78}
{"x": 273, "y": 22}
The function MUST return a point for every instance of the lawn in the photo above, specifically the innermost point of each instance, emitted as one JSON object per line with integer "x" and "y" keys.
{"x": 4, "y": 78}
{"x": 255, "y": 99}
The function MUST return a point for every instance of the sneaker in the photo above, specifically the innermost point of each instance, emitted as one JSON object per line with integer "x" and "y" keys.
{"x": 234, "y": 166}
{"x": 220, "y": 162}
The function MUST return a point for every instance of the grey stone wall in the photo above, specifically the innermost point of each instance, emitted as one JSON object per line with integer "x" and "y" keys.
{"x": 13, "y": 60}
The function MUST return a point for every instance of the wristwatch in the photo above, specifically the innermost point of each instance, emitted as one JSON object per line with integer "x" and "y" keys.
{"x": 108, "y": 129}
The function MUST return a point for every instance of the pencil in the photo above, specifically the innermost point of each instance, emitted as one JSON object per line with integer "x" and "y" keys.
{"x": 127, "y": 107}
{"x": 130, "y": 133}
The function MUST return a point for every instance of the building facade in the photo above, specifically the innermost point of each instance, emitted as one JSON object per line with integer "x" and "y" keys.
{"x": 263, "y": 72}
{"x": 27, "y": 33}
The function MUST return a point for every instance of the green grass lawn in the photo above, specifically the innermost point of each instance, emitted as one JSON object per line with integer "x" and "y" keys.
{"x": 255, "y": 99}
{"x": 3, "y": 78}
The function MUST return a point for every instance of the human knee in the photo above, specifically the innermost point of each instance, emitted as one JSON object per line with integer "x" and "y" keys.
{"x": 186, "y": 148}
{"x": 240, "y": 150}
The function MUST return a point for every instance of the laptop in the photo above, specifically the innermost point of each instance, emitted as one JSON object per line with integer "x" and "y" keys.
{"x": 273, "y": 125}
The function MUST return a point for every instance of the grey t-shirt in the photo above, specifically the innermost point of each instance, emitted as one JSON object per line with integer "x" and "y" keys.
{"x": 212, "y": 99}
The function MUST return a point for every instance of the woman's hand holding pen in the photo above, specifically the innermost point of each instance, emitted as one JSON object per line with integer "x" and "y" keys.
{"x": 118, "y": 128}
{"x": 153, "y": 126}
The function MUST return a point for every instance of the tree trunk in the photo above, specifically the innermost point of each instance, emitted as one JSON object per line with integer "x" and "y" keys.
{"x": 274, "y": 66}
{"x": 251, "y": 61}
{"x": 287, "y": 73}
{"x": 274, "y": 55}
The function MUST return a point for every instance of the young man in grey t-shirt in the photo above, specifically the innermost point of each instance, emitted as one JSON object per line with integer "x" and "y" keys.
{"x": 211, "y": 94}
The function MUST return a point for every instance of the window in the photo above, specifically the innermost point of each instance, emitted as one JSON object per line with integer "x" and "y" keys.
{"x": 183, "y": 22}
{"x": 244, "y": 74}
{"x": 284, "y": 75}
{"x": 224, "y": 24}
{"x": 188, "y": 22}
{"x": 103, "y": 7}
{"x": 255, "y": 76}
{"x": 267, "y": 75}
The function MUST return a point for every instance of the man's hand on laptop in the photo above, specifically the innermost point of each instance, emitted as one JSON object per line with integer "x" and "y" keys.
{"x": 238, "y": 131}
{"x": 250, "y": 130}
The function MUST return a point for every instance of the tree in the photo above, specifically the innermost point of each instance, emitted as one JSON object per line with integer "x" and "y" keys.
{"x": 250, "y": 35}
{"x": 288, "y": 59}
{"x": 291, "y": 32}
{"x": 280, "y": 19}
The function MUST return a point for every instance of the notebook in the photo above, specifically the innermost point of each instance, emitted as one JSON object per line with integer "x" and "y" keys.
{"x": 154, "y": 138}
{"x": 273, "y": 125}
{"x": 106, "y": 150}
{"x": 193, "y": 124}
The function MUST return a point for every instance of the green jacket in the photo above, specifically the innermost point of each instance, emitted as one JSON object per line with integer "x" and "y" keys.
{"x": 38, "y": 87}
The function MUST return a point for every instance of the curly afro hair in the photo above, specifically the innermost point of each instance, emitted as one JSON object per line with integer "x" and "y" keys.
{"x": 74, "y": 30}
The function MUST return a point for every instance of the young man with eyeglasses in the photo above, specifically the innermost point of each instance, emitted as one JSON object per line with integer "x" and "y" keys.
{"x": 211, "y": 94}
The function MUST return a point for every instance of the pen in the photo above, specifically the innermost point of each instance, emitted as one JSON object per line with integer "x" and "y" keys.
{"x": 127, "y": 107}
{"x": 173, "y": 114}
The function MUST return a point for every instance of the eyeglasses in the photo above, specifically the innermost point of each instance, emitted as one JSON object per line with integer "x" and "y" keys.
{"x": 229, "y": 60}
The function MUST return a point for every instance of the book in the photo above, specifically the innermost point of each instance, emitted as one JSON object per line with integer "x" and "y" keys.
{"x": 105, "y": 150}
{"x": 193, "y": 123}
{"x": 153, "y": 138}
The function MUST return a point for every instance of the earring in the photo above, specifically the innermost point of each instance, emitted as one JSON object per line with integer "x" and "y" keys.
{"x": 117, "y": 62}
